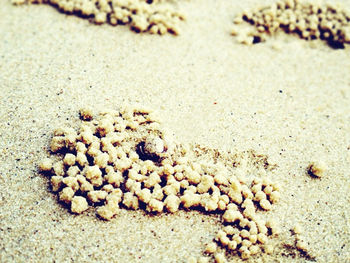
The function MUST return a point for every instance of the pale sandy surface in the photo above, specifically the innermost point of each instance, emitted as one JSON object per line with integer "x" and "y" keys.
{"x": 52, "y": 64}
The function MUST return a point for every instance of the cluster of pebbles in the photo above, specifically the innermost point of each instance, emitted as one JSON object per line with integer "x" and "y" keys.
{"x": 125, "y": 159}
{"x": 308, "y": 19}
{"x": 156, "y": 17}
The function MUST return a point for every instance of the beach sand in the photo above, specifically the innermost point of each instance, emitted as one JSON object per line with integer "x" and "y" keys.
{"x": 291, "y": 105}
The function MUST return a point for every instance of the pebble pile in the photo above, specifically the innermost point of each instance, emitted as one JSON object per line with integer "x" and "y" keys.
{"x": 308, "y": 19}
{"x": 156, "y": 17}
{"x": 125, "y": 159}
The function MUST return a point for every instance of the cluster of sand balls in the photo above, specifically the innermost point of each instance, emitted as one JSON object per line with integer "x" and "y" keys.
{"x": 308, "y": 19}
{"x": 244, "y": 231}
{"x": 156, "y": 17}
{"x": 125, "y": 159}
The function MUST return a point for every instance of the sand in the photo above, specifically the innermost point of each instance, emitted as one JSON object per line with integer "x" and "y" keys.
{"x": 290, "y": 104}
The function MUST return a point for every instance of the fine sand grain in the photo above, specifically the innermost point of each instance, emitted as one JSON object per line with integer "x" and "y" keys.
{"x": 290, "y": 104}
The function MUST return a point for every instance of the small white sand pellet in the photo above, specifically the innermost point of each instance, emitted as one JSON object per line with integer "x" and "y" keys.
{"x": 56, "y": 183}
{"x": 253, "y": 238}
{"x": 108, "y": 211}
{"x": 220, "y": 258}
{"x": 317, "y": 169}
{"x": 57, "y": 144}
{"x": 247, "y": 193}
{"x": 235, "y": 196}
{"x": 172, "y": 203}
{"x": 105, "y": 126}
{"x": 254, "y": 249}
{"x": 261, "y": 226}
{"x": 86, "y": 114}
{"x": 155, "y": 205}
{"x": 260, "y": 195}
{"x": 81, "y": 148}
{"x": 206, "y": 183}
{"x": 97, "y": 196}
{"x": 275, "y": 196}
{"x": 73, "y": 171}
{"x": 246, "y": 243}
{"x": 245, "y": 253}
{"x": 232, "y": 206}
{"x": 79, "y": 204}
{"x": 94, "y": 174}
{"x": 193, "y": 177}
{"x": 268, "y": 249}
{"x": 46, "y": 165}
{"x": 220, "y": 178}
{"x": 253, "y": 229}
{"x": 85, "y": 186}
{"x": 222, "y": 205}
{"x": 130, "y": 201}
{"x": 184, "y": 184}
{"x": 297, "y": 229}
{"x": 237, "y": 238}
{"x": 72, "y": 182}
{"x": 224, "y": 240}
{"x": 262, "y": 238}
{"x": 249, "y": 212}
{"x": 256, "y": 188}
{"x": 301, "y": 245}
{"x": 101, "y": 160}
{"x": 231, "y": 216}
{"x": 144, "y": 195}
{"x": 152, "y": 180}
{"x": 268, "y": 190}
{"x": 244, "y": 233}
{"x": 58, "y": 168}
{"x": 265, "y": 204}
{"x": 108, "y": 188}
{"x": 273, "y": 226}
{"x": 244, "y": 222}
{"x": 211, "y": 248}
{"x": 66, "y": 195}
{"x": 81, "y": 159}
{"x": 232, "y": 245}
{"x": 190, "y": 200}
{"x": 229, "y": 230}
{"x": 87, "y": 137}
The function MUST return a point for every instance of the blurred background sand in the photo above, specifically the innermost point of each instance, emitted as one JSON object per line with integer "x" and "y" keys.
{"x": 291, "y": 104}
